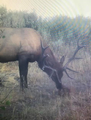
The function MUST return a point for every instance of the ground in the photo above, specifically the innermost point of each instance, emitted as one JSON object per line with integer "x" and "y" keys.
{"x": 41, "y": 100}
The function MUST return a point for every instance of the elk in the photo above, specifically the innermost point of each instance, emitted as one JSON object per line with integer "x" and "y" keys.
{"x": 26, "y": 45}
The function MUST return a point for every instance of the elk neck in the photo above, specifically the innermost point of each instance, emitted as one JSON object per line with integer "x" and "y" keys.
{"x": 49, "y": 61}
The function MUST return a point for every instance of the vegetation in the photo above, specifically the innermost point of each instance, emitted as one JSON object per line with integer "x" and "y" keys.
{"x": 41, "y": 100}
{"x": 58, "y": 28}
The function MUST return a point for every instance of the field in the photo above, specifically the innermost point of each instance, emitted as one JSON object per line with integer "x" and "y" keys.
{"x": 41, "y": 100}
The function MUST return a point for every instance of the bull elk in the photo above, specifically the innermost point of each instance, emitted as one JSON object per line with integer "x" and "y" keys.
{"x": 26, "y": 45}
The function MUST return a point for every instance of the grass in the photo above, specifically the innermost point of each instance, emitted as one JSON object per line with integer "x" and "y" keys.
{"x": 41, "y": 100}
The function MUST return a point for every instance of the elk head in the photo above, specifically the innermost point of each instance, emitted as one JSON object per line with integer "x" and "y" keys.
{"x": 55, "y": 69}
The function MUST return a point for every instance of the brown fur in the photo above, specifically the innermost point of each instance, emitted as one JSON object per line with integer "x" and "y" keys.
{"x": 24, "y": 45}
{"x": 19, "y": 41}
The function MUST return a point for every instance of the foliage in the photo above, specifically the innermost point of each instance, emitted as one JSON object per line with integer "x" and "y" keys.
{"x": 3, "y": 14}
{"x": 3, "y": 106}
{"x": 6, "y": 103}
{"x": 57, "y": 28}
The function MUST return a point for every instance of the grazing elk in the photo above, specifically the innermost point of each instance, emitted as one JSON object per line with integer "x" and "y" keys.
{"x": 25, "y": 45}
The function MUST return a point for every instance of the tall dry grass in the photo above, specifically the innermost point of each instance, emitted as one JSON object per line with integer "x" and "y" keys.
{"x": 41, "y": 100}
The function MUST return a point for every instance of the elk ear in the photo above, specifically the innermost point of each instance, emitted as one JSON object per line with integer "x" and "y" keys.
{"x": 62, "y": 60}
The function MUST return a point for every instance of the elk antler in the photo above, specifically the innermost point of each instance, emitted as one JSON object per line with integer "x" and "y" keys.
{"x": 73, "y": 58}
{"x": 43, "y": 57}
{"x": 43, "y": 48}
{"x": 53, "y": 70}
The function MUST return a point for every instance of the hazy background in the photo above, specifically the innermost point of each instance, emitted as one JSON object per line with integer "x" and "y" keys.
{"x": 50, "y": 8}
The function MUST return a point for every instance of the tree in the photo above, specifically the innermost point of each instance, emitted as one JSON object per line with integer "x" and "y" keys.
{"x": 3, "y": 13}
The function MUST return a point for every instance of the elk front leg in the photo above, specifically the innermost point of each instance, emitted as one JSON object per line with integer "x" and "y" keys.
{"x": 23, "y": 69}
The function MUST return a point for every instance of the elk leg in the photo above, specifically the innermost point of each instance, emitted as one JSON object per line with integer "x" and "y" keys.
{"x": 23, "y": 69}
